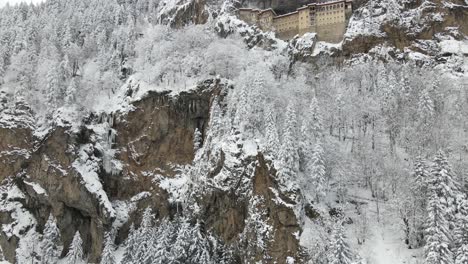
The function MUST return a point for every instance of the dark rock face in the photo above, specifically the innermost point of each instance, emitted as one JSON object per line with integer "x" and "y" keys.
{"x": 192, "y": 12}
{"x": 153, "y": 138}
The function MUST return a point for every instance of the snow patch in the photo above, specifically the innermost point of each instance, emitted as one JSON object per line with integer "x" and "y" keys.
{"x": 87, "y": 166}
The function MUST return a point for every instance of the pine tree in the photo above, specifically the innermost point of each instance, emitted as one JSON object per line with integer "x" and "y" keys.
{"x": 271, "y": 132}
{"x": 461, "y": 231}
{"x": 288, "y": 154}
{"x": 71, "y": 92}
{"x": 199, "y": 247}
{"x": 53, "y": 87}
{"x": 165, "y": 236}
{"x": 426, "y": 106}
{"x": 419, "y": 189}
{"x": 179, "y": 252}
{"x": 420, "y": 179}
{"x": 340, "y": 252}
{"x": 243, "y": 110}
{"x": 130, "y": 246}
{"x": 145, "y": 239}
{"x": 438, "y": 237}
{"x": 315, "y": 123}
{"x": 107, "y": 256}
{"x": 316, "y": 170}
{"x": 50, "y": 240}
{"x": 75, "y": 252}
{"x": 197, "y": 139}
{"x": 441, "y": 181}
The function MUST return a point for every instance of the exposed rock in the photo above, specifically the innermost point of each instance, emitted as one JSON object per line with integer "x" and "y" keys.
{"x": 151, "y": 141}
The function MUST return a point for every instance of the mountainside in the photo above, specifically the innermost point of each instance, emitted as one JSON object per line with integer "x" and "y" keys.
{"x": 169, "y": 131}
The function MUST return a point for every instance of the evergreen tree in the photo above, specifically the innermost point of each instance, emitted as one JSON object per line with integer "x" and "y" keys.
{"x": 426, "y": 107}
{"x": 70, "y": 97}
{"x": 316, "y": 170}
{"x": 419, "y": 189}
{"x": 340, "y": 252}
{"x": 50, "y": 241}
{"x": 197, "y": 139}
{"x": 145, "y": 238}
{"x": 271, "y": 132}
{"x": 75, "y": 252}
{"x": 199, "y": 248}
{"x": 420, "y": 179}
{"x": 461, "y": 231}
{"x": 130, "y": 246}
{"x": 438, "y": 236}
{"x": 441, "y": 181}
{"x": 107, "y": 256}
{"x": 53, "y": 87}
{"x": 165, "y": 235}
{"x": 288, "y": 154}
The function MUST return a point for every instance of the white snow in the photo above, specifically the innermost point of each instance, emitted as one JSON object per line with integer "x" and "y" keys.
{"x": 250, "y": 148}
{"x": 22, "y": 225}
{"x": 123, "y": 209}
{"x": 37, "y": 188}
{"x": 326, "y": 48}
{"x": 88, "y": 167}
{"x": 385, "y": 242}
{"x": 454, "y": 46}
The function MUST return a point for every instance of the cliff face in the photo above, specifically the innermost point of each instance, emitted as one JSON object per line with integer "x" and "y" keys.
{"x": 401, "y": 26}
{"x": 81, "y": 176}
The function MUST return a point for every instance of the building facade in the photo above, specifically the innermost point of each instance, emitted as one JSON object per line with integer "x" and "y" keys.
{"x": 327, "y": 19}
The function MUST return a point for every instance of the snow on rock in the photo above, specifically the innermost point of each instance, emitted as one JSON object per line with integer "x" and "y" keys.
{"x": 123, "y": 209}
{"x": 22, "y": 219}
{"x": 326, "y": 48}
{"x": 176, "y": 187}
{"x": 303, "y": 45}
{"x": 453, "y": 46}
{"x": 369, "y": 19}
{"x": 88, "y": 166}
{"x": 22, "y": 224}
{"x": 14, "y": 112}
{"x": 37, "y": 188}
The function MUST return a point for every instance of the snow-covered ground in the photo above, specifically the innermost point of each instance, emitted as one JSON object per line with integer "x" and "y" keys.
{"x": 385, "y": 237}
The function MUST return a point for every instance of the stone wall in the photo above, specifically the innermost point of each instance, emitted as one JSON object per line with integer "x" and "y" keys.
{"x": 332, "y": 32}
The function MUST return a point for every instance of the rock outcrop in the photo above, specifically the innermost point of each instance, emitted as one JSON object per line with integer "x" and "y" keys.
{"x": 66, "y": 174}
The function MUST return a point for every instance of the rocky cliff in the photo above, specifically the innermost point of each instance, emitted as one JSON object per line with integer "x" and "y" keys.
{"x": 82, "y": 176}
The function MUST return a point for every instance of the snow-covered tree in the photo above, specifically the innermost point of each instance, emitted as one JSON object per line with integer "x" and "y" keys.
{"x": 442, "y": 182}
{"x": 50, "y": 242}
{"x": 271, "y": 132}
{"x": 288, "y": 154}
{"x": 145, "y": 238}
{"x": 419, "y": 192}
{"x": 340, "y": 252}
{"x": 315, "y": 171}
{"x": 438, "y": 236}
{"x": 72, "y": 89}
{"x": 197, "y": 139}
{"x": 461, "y": 231}
{"x": 75, "y": 251}
{"x": 108, "y": 253}
{"x": 312, "y": 124}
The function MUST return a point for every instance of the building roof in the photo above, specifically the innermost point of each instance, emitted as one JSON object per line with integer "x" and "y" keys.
{"x": 285, "y": 15}
{"x": 268, "y": 10}
{"x": 295, "y": 12}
